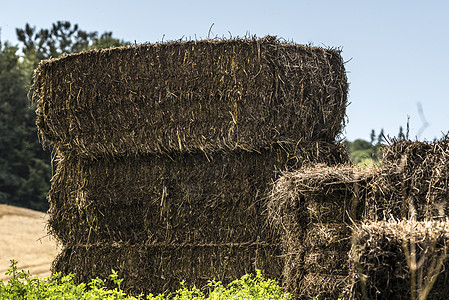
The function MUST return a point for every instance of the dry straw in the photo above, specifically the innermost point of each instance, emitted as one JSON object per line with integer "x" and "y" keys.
{"x": 313, "y": 208}
{"x": 159, "y": 268}
{"x": 167, "y": 152}
{"x": 414, "y": 180}
{"x": 173, "y": 204}
{"x": 185, "y": 197}
{"x": 400, "y": 260}
{"x": 190, "y": 96}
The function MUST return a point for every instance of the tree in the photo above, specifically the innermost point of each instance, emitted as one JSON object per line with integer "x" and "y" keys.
{"x": 24, "y": 172}
{"x": 401, "y": 134}
{"x": 25, "y": 168}
{"x": 363, "y": 153}
{"x": 373, "y": 136}
{"x": 381, "y": 137}
{"x": 62, "y": 38}
{"x": 107, "y": 41}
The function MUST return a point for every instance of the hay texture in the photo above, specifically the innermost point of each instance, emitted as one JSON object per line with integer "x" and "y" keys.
{"x": 190, "y": 96}
{"x": 400, "y": 260}
{"x": 313, "y": 208}
{"x": 186, "y": 197}
{"x": 168, "y": 151}
{"x": 414, "y": 182}
{"x": 159, "y": 268}
{"x": 188, "y": 216}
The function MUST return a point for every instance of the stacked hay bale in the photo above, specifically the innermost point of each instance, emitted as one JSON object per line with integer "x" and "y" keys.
{"x": 414, "y": 174}
{"x": 336, "y": 239}
{"x": 166, "y": 152}
{"x": 401, "y": 260}
{"x": 407, "y": 258}
{"x": 315, "y": 207}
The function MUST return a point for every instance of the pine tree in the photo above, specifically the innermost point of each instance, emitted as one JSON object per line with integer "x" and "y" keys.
{"x": 381, "y": 137}
{"x": 373, "y": 136}
{"x": 401, "y": 134}
{"x": 25, "y": 168}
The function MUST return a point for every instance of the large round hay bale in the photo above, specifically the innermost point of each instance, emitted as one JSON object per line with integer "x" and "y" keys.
{"x": 190, "y": 96}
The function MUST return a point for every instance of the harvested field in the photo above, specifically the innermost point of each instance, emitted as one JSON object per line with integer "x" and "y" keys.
{"x": 23, "y": 237}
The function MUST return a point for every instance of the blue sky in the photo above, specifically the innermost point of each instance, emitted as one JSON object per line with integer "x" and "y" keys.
{"x": 396, "y": 51}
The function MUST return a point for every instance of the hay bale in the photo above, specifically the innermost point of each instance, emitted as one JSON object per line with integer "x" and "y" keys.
{"x": 319, "y": 194}
{"x": 160, "y": 268}
{"x": 215, "y": 202}
{"x": 190, "y": 96}
{"x": 329, "y": 236}
{"x": 309, "y": 264}
{"x": 413, "y": 182}
{"x": 323, "y": 285}
{"x": 313, "y": 207}
{"x": 190, "y": 198}
{"x": 323, "y": 261}
{"x": 400, "y": 260}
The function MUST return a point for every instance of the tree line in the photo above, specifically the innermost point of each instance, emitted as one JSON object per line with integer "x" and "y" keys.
{"x": 25, "y": 167}
{"x": 364, "y": 153}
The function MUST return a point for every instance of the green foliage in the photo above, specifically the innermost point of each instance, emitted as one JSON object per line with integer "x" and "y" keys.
{"x": 22, "y": 286}
{"x": 25, "y": 168}
{"x": 62, "y": 38}
{"x": 363, "y": 153}
{"x": 107, "y": 41}
{"x": 247, "y": 287}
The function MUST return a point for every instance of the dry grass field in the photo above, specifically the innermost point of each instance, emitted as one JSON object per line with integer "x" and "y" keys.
{"x": 23, "y": 237}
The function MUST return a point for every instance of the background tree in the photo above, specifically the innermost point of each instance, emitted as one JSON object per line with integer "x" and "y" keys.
{"x": 107, "y": 41}
{"x": 24, "y": 172}
{"x": 62, "y": 38}
{"x": 373, "y": 136}
{"x": 401, "y": 134}
{"x": 25, "y": 168}
{"x": 381, "y": 137}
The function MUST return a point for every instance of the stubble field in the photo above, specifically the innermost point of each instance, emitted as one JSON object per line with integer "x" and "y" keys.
{"x": 23, "y": 237}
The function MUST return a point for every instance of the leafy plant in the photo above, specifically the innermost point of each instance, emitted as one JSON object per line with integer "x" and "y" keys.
{"x": 22, "y": 286}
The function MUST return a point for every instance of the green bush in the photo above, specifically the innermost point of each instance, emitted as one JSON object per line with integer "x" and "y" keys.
{"x": 22, "y": 286}
{"x": 363, "y": 153}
